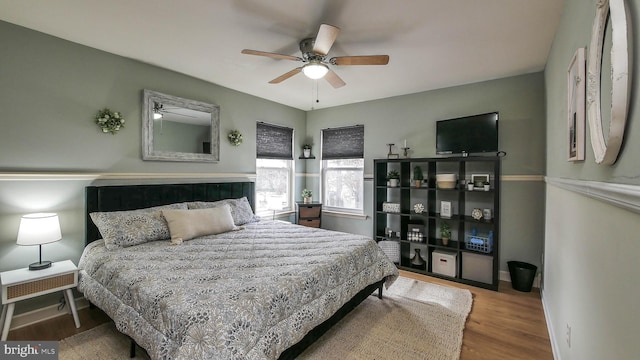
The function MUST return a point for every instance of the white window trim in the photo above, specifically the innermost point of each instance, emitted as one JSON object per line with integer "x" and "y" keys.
{"x": 337, "y": 210}
{"x": 345, "y": 214}
{"x": 291, "y": 208}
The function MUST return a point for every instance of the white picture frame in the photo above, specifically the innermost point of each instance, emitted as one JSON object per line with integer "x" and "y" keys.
{"x": 606, "y": 149}
{"x": 445, "y": 209}
{"x": 479, "y": 179}
{"x": 576, "y": 106}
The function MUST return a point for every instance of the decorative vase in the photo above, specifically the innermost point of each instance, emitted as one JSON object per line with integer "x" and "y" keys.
{"x": 445, "y": 241}
{"x": 307, "y": 200}
{"x": 487, "y": 187}
{"x": 418, "y": 183}
{"x": 393, "y": 182}
{"x": 470, "y": 186}
{"x": 306, "y": 152}
{"x": 417, "y": 259}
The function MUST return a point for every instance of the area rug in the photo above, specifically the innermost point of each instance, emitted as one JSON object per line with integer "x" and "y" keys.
{"x": 415, "y": 320}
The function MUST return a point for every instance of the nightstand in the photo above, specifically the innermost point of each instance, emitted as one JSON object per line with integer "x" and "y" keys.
{"x": 309, "y": 214}
{"x": 24, "y": 284}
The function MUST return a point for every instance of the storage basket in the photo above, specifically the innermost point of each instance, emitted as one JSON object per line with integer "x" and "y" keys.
{"x": 480, "y": 243}
{"x": 446, "y": 181}
{"x": 391, "y": 207}
{"x": 391, "y": 249}
{"x": 307, "y": 211}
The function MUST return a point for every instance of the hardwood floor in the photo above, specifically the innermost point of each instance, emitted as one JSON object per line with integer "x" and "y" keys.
{"x": 506, "y": 324}
{"x": 59, "y": 327}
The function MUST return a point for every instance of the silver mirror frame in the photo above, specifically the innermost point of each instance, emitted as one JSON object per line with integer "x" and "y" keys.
{"x": 148, "y": 152}
{"x": 606, "y": 150}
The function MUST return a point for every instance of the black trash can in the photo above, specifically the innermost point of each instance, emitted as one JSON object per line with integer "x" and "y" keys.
{"x": 522, "y": 275}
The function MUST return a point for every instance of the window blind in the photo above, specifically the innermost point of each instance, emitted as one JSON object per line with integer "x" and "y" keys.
{"x": 343, "y": 143}
{"x": 274, "y": 142}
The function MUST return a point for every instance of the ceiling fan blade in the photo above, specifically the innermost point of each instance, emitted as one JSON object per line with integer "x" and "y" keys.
{"x": 271, "y": 55}
{"x": 324, "y": 40}
{"x": 335, "y": 80}
{"x": 360, "y": 60}
{"x": 285, "y": 76}
{"x": 179, "y": 114}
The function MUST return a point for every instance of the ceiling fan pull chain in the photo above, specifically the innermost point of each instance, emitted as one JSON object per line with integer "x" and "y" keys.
{"x": 312, "y": 94}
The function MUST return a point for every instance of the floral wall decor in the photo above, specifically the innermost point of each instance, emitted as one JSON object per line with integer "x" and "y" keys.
{"x": 235, "y": 137}
{"x": 109, "y": 121}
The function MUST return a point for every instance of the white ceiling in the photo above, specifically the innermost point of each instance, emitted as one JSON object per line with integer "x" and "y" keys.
{"x": 431, "y": 43}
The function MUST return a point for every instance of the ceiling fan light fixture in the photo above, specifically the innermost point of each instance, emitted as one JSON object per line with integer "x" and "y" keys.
{"x": 157, "y": 110}
{"x": 315, "y": 70}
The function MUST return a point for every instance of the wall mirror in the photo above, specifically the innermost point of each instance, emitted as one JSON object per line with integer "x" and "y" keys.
{"x": 611, "y": 19}
{"x": 178, "y": 129}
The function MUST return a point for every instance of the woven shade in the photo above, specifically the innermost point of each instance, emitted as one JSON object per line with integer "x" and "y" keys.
{"x": 343, "y": 143}
{"x": 274, "y": 142}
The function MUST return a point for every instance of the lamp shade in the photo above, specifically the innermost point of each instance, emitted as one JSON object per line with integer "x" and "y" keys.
{"x": 315, "y": 70}
{"x": 38, "y": 229}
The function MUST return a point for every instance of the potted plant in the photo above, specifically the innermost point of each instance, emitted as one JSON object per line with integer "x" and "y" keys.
{"x": 470, "y": 186}
{"x": 417, "y": 176}
{"x": 445, "y": 232}
{"x": 487, "y": 186}
{"x": 306, "y": 150}
{"x": 307, "y": 196}
{"x": 393, "y": 178}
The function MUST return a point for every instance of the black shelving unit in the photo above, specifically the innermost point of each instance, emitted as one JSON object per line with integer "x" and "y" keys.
{"x": 478, "y": 268}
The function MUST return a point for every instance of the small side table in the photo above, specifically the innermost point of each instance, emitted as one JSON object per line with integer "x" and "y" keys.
{"x": 309, "y": 214}
{"x": 24, "y": 284}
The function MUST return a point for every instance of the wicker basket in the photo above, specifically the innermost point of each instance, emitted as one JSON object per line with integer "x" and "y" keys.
{"x": 391, "y": 207}
{"x": 391, "y": 249}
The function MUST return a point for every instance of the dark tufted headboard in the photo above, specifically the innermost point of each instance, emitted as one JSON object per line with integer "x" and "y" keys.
{"x": 130, "y": 197}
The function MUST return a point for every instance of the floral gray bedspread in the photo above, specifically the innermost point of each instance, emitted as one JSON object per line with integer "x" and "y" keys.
{"x": 247, "y": 294}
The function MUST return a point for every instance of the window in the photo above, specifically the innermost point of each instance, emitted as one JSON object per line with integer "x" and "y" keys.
{"x": 273, "y": 185}
{"x": 343, "y": 169}
{"x": 343, "y": 185}
{"x": 274, "y": 168}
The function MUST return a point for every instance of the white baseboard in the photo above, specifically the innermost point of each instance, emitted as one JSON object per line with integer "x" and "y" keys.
{"x": 45, "y": 313}
{"x": 554, "y": 345}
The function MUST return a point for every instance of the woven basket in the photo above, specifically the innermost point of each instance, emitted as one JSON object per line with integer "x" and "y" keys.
{"x": 391, "y": 249}
{"x": 391, "y": 207}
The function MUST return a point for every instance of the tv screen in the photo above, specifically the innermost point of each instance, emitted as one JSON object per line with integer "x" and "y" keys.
{"x": 471, "y": 134}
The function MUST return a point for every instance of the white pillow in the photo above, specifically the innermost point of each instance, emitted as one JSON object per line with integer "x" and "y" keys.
{"x": 188, "y": 224}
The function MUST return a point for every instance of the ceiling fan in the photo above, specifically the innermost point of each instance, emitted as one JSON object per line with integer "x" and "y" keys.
{"x": 314, "y": 55}
{"x": 159, "y": 110}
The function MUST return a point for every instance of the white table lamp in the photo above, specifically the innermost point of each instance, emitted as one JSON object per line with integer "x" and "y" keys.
{"x": 38, "y": 229}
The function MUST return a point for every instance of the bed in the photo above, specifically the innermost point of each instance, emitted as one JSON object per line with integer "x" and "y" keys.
{"x": 263, "y": 290}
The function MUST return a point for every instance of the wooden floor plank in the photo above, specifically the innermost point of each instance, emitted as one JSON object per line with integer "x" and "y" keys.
{"x": 503, "y": 324}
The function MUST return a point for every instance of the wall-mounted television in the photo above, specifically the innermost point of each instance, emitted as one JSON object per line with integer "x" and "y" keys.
{"x": 467, "y": 135}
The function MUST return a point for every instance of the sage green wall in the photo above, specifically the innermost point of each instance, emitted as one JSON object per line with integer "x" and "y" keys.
{"x": 50, "y": 90}
{"x": 591, "y": 248}
{"x": 575, "y": 32}
{"x": 521, "y": 103}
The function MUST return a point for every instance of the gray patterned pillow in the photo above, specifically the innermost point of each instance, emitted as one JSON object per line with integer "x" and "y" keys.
{"x": 133, "y": 227}
{"x": 240, "y": 209}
